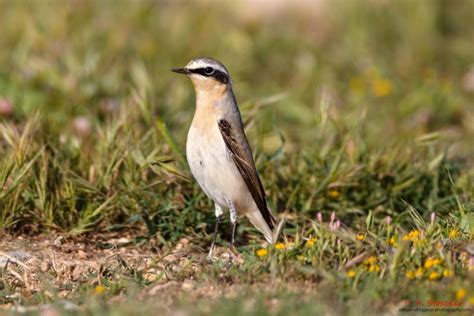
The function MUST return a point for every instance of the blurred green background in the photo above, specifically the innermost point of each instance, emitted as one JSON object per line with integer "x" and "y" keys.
{"x": 350, "y": 106}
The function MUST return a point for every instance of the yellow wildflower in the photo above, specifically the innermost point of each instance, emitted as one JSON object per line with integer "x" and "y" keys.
{"x": 460, "y": 294}
{"x": 453, "y": 233}
{"x": 262, "y": 252}
{"x": 99, "y": 289}
{"x": 334, "y": 194}
{"x": 414, "y": 236}
{"x": 434, "y": 276}
{"x": 448, "y": 273}
{"x": 432, "y": 262}
{"x": 428, "y": 263}
{"x": 310, "y": 242}
{"x": 370, "y": 260}
{"x": 280, "y": 246}
{"x": 410, "y": 275}
{"x": 371, "y": 263}
{"x": 360, "y": 237}
{"x": 381, "y": 87}
{"x": 419, "y": 273}
{"x": 351, "y": 273}
{"x": 392, "y": 242}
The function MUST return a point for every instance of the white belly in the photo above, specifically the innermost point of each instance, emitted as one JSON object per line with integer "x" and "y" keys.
{"x": 214, "y": 169}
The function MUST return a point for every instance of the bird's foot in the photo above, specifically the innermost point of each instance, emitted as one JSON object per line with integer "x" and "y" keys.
{"x": 210, "y": 256}
{"x": 229, "y": 257}
{"x": 234, "y": 257}
{"x": 229, "y": 262}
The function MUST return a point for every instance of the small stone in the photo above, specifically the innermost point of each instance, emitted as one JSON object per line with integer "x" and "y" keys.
{"x": 44, "y": 267}
{"x": 123, "y": 240}
{"x": 58, "y": 240}
{"x": 81, "y": 254}
{"x": 187, "y": 285}
{"x": 49, "y": 311}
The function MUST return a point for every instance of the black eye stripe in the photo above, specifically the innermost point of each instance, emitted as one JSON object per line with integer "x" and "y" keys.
{"x": 217, "y": 74}
{"x": 203, "y": 72}
{"x": 221, "y": 77}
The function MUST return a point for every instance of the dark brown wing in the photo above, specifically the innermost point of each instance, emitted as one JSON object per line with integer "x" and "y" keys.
{"x": 244, "y": 162}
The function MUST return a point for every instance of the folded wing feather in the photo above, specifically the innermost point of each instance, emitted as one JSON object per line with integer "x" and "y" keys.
{"x": 245, "y": 164}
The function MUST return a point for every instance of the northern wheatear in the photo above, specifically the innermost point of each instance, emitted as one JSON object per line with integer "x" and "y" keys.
{"x": 218, "y": 152}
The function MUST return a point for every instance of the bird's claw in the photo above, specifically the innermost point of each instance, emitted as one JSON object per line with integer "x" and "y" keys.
{"x": 229, "y": 262}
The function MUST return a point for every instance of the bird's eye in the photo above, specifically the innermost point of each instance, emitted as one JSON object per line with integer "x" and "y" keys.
{"x": 208, "y": 70}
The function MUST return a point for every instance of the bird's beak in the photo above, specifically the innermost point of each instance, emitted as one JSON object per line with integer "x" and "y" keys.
{"x": 184, "y": 71}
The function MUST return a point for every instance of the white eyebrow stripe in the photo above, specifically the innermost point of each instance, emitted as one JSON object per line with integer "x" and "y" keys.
{"x": 206, "y": 62}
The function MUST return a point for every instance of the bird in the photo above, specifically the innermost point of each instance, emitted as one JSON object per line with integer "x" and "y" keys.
{"x": 218, "y": 152}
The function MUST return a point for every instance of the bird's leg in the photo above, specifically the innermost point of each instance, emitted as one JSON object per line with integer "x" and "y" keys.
{"x": 214, "y": 237}
{"x": 218, "y": 212}
{"x": 233, "y": 220}
{"x": 233, "y": 251}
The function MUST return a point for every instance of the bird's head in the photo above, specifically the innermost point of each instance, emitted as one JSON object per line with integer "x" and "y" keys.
{"x": 206, "y": 74}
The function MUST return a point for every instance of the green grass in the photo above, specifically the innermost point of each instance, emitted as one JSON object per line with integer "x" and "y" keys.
{"x": 362, "y": 110}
